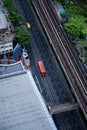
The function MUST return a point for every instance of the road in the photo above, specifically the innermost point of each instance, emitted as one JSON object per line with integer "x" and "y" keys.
{"x": 52, "y": 84}
{"x": 69, "y": 61}
{"x": 68, "y": 121}
{"x": 52, "y": 87}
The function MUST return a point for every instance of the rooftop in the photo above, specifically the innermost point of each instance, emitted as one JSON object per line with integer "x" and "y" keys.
{"x": 6, "y": 28}
{"x": 21, "y": 105}
{"x": 3, "y": 21}
{"x": 7, "y": 70}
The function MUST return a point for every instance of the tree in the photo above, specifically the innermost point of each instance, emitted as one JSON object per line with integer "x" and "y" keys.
{"x": 23, "y": 36}
{"x": 81, "y": 44}
{"x": 15, "y": 17}
{"x": 71, "y": 9}
{"x": 76, "y": 26}
{"x": 8, "y": 3}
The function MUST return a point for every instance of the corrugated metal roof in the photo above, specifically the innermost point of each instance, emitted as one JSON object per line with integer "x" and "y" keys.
{"x": 21, "y": 105}
{"x": 11, "y": 69}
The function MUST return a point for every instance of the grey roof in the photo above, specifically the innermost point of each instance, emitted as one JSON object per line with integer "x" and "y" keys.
{"x": 3, "y": 20}
{"x": 11, "y": 69}
{"x": 21, "y": 105}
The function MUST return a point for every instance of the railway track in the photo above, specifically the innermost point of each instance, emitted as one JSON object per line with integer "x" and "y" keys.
{"x": 66, "y": 45}
{"x": 64, "y": 50}
{"x": 80, "y": 85}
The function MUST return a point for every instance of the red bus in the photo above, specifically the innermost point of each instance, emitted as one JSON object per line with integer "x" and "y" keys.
{"x": 41, "y": 68}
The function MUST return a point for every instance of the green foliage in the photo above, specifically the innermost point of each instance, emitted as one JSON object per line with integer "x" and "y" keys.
{"x": 84, "y": 30}
{"x": 81, "y": 44}
{"x": 23, "y": 35}
{"x": 73, "y": 10}
{"x": 85, "y": 10}
{"x": 62, "y": 1}
{"x": 76, "y": 26}
{"x": 15, "y": 17}
{"x": 86, "y": 56}
{"x": 8, "y": 3}
{"x": 21, "y": 31}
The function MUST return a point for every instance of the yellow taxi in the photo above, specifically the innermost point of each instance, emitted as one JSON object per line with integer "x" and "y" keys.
{"x": 28, "y": 25}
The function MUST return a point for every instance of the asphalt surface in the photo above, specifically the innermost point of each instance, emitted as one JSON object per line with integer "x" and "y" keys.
{"x": 52, "y": 86}
{"x": 68, "y": 121}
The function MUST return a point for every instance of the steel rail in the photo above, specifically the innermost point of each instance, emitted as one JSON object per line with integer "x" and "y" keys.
{"x": 67, "y": 52}
{"x": 56, "y": 39}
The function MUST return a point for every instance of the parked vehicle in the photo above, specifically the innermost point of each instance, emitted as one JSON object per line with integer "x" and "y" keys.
{"x": 41, "y": 68}
{"x": 26, "y": 61}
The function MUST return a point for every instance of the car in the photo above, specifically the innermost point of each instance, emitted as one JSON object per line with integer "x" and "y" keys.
{"x": 28, "y": 25}
{"x": 41, "y": 68}
{"x": 25, "y": 55}
{"x": 26, "y": 60}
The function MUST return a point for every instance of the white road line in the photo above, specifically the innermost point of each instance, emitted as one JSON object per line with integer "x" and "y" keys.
{"x": 38, "y": 84}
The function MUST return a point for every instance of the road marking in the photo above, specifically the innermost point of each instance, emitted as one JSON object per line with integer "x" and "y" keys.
{"x": 38, "y": 84}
